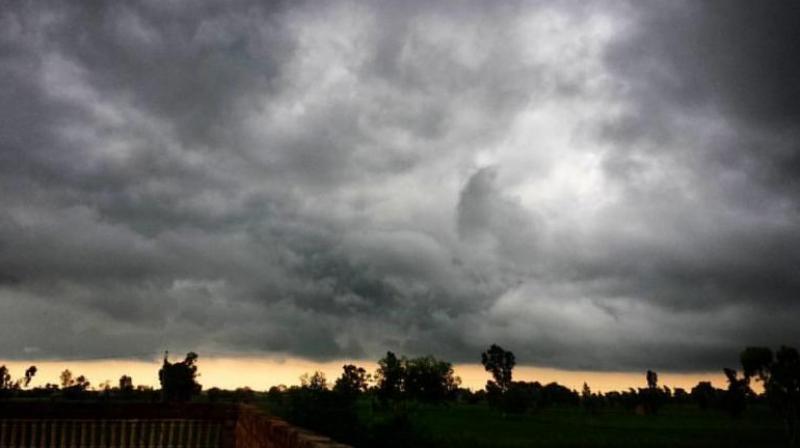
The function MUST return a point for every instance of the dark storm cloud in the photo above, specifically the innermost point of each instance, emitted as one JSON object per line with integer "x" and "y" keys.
{"x": 733, "y": 60}
{"x": 601, "y": 186}
{"x": 713, "y": 87}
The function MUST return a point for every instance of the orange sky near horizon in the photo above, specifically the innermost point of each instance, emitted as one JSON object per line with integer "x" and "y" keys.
{"x": 261, "y": 373}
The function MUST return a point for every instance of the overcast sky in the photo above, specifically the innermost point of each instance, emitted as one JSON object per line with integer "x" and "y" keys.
{"x": 594, "y": 185}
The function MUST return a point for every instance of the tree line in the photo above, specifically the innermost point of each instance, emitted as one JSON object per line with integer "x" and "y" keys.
{"x": 178, "y": 383}
{"x": 400, "y": 383}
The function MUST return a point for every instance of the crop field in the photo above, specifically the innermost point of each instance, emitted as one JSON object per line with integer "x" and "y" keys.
{"x": 480, "y": 426}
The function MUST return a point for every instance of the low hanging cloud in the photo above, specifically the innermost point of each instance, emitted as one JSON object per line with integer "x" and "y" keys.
{"x": 598, "y": 186}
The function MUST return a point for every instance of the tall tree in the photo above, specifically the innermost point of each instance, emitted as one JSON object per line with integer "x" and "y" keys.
{"x": 352, "y": 382}
{"x": 429, "y": 379}
{"x": 500, "y": 363}
{"x": 178, "y": 380}
{"x": 66, "y": 379}
{"x": 735, "y": 399}
{"x": 29, "y": 374}
{"x": 652, "y": 397}
{"x": 6, "y": 385}
{"x": 390, "y": 374}
{"x": 780, "y": 375}
{"x": 756, "y": 362}
{"x": 652, "y": 379}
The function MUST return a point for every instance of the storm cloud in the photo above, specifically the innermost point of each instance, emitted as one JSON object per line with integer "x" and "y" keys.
{"x": 594, "y": 185}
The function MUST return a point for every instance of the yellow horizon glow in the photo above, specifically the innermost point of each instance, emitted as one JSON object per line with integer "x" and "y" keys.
{"x": 260, "y": 373}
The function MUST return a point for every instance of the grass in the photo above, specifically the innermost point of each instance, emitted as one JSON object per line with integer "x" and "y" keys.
{"x": 481, "y": 426}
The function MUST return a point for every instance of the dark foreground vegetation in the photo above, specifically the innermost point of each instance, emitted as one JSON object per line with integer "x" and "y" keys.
{"x": 418, "y": 402}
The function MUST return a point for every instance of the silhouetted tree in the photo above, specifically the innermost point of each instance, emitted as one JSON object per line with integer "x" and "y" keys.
{"x": 82, "y": 382}
{"x": 353, "y": 381}
{"x": 652, "y": 397}
{"x": 390, "y": 374}
{"x": 6, "y": 385}
{"x": 680, "y": 396}
{"x": 66, "y": 379}
{"x": 705, "y": 395}
{"x": 424, "y": 379}
{"x": 781, "y": 378}
{"x": 554, "y": 393}
{"x": 590, "y": 401}
{"x": 244, "y": 395}
{"x": 756, "y": 362}
{"x": 5, "y": 378}
{"x": 277, "y": 393}
{"x": 667, "y": 391}
{"x": 73, "y": 387}
{"x": 652, "y": 379}
{"x": 29, "y": 374}
{"x": 519, "y": 397}
{"x": 10, "y": 387}
{"x": 125, "y": 383}
{"x": 735, "y": 398}
{"x": 314, "y": 406}
{"x": 500, "y": 363}
{"x": 178, "y": 380}
{"x": 315, "y": 381}
{"x": 429, "y": 379}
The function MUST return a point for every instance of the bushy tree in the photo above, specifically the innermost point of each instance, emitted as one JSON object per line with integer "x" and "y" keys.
{"x": 6, "y": 385}
{"x": 82, "y": 383}
{"x": 500, "y": 363}
{"x": 501, "y": 391}
{"x": 554, "y": 393}
{"x": 73, "y": 387}
{"x": 66, "y": 379}
{"x": 679, "y": 395}
{"x": 353, "y": 382}
{"x": 705, "y": 395}
{"x": 780, "y": 375}
{"x": 756, "y": 362}
{"x": 277, "y": 394}
{"x": 315, "y": 381}
{"x": 391, "y": 371}
{"x": 5, "y": 378}
{"x": 313, "y": 405}
{"x": 424, "y": 379}
{"x": 429, "y": 379}
{"x": 125, "y": 383}
{"x": 735, "y": 399}
{"x": 520, "y": 397}
{"x": 178, "y": 380}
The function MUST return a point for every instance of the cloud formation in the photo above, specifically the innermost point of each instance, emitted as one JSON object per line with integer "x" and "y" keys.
{"x": 595, "y": 186}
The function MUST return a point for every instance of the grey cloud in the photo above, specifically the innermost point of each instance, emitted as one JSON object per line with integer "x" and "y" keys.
{"x": 711, "y": 95}
{"x": 579, "y": 182}
{"x": 732, "y": 61}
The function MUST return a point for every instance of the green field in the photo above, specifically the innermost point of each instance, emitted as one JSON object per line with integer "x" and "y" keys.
{"x": 480, "y": 426}
{"x": 465, "y": 426}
